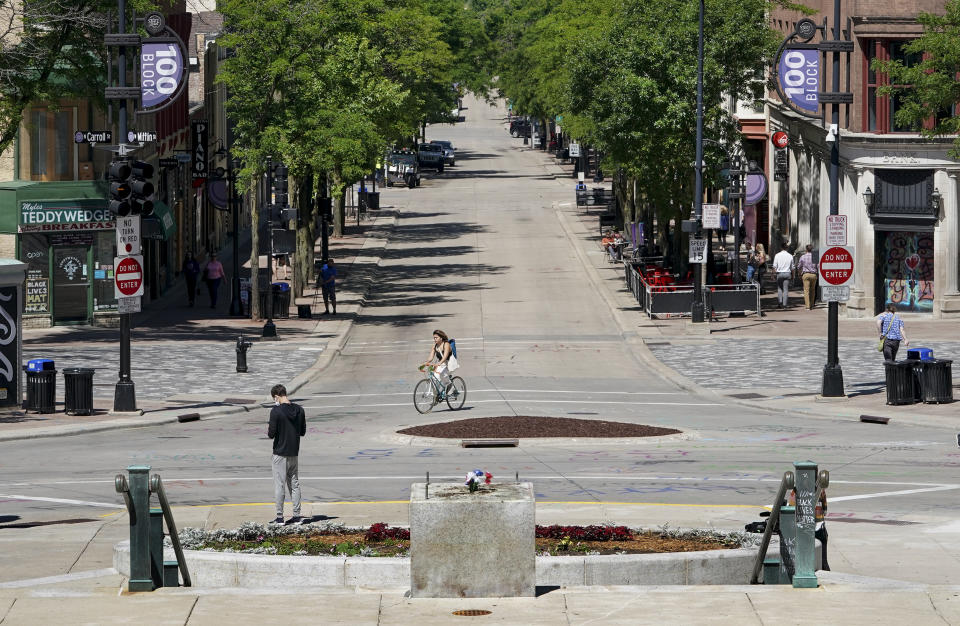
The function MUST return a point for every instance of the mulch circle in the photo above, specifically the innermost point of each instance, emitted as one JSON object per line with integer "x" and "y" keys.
{"x": 525, "y": 426}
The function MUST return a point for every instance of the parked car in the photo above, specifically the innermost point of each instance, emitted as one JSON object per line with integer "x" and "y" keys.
{"x": 403, "y": 168}
{"x": 430, "y": 155}
{"x": 520, "y": 127}
{"x": 449, "y": 152}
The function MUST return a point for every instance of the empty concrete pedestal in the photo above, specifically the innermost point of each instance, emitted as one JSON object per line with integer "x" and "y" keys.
{"x": 472, "y": 545}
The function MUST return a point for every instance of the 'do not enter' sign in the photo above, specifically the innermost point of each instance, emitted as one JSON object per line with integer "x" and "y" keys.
{"x": 128, "y": 276}
{"x": 836, "y": 266}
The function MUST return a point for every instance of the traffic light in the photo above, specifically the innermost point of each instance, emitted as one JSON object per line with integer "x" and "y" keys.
{"x": 118, "y": 173}
{"x": 280, "y": 186}
{"x": 141, "y": 188}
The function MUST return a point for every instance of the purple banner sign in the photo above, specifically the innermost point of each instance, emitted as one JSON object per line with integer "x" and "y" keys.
{"x": 161, "y": 71}
{"x": 756, "y": 188}
{"x": 799, "y": 72}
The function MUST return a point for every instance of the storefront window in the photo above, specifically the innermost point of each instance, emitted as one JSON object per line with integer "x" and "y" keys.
{"x": 906, "y": 269}
{"x": 34, "y": 251}
{"x": 49, "y": 151}
{"x": 104, "y": 250}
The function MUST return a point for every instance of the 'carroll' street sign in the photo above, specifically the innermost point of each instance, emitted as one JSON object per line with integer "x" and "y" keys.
{"x": 128, "y": 276}
{"x": 93, "y": 136}
{"x": 836, "y": 266}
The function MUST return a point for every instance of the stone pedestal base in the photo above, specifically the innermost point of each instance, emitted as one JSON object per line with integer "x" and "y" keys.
{"x": 472, "y": 545}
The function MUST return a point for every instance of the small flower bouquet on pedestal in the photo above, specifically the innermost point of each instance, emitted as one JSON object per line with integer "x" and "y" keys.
{"x": 474, "y": 478}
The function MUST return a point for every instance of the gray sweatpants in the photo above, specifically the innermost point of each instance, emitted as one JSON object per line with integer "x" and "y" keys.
{"x": 286, "y": 479}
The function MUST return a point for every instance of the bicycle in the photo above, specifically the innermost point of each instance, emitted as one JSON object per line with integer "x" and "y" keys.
{"x": 428, "y": 393}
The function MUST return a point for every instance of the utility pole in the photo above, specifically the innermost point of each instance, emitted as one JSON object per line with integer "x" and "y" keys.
{"x": 236, "y": 304}
{"x": 269, "y": 328}
{"x": 697, "y": 311}
{"x": 125, "y": 393}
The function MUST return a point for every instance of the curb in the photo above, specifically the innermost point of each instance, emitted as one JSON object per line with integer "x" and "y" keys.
{"x": 163, "y": 416}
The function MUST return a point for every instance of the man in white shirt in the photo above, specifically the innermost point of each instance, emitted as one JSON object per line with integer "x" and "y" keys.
{"x": 783, "y": 266}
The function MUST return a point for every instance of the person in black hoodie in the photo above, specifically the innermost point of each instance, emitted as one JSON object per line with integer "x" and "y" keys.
{"x": 287, "y": 424}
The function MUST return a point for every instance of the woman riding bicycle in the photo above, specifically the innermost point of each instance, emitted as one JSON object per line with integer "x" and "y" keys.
{"x": 440, "y": 352}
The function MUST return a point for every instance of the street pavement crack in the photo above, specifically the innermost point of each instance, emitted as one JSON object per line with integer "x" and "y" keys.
{"x": 86, "y": 545}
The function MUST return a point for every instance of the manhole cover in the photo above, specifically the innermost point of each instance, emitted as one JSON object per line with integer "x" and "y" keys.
{"x": 471, "y": 612}
{"x": 747, "y": 396}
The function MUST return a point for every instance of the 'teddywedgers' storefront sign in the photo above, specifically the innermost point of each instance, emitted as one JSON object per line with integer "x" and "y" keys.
{"x": 64, "y": 215}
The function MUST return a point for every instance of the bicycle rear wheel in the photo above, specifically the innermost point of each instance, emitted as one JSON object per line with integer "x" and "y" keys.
{"x": 456, "y": 393}
{"x": 424, "y": 396}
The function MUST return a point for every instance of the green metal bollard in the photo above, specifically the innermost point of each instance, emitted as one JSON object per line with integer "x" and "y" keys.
{"x": 805, "y": 562}
{"x": 140, "y": 565}
{"x": 788, "y": 543}
{"x": 156, "y": 547}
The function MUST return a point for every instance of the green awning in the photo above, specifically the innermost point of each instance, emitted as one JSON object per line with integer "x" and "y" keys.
{"x": 161, "y": 224}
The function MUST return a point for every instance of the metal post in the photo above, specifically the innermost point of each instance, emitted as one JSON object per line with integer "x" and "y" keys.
{"x": 737, "y": 215}
{"x": 236, "y": 303}
{"x": 697, "y": 311}
{"x": 140, "y": 578}
{"x": 788, "y": 543}
{"x": 269, "y": 328}
{"x": 805, "y": 563}
{"x": 125, "y": 394}
{"x": 832, "y": 372}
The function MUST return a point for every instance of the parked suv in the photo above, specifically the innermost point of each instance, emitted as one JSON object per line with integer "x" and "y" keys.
{"x": 431, "y": 156}
{"x": 520, "y": 128}
{"x": 403, "y": 168}
{"x": 449, "y": 152}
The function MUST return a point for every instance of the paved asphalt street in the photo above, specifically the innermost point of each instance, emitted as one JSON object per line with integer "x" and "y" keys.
{"x": 482, "y": 253}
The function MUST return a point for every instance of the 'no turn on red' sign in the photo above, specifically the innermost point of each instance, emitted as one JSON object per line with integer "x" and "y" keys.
{"x": 836, "y": 266}
{"x": 128, "y": 276}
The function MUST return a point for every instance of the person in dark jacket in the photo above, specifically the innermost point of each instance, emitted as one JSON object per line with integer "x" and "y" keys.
{"x": 190, "y": 269}
{"x": 287, "y": 424}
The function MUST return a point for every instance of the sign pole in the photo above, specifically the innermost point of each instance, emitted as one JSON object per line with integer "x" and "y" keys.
{"x": 125, "y": 394}
{"x": 697, "y": 312}
{"x": 832, "y": 372}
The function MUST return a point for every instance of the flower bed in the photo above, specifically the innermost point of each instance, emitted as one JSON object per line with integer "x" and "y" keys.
{"x": 381, "y": 540}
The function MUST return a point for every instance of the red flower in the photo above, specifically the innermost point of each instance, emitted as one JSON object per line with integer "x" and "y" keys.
{"x": 488, "y": 477}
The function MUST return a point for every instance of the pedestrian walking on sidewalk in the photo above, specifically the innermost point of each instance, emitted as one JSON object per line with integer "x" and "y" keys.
{"x": 783, "y": 266}
{"x": 191, "y": 270}
{"x": 892, "y": 332}
{"x": 213, "y": 275}
{"x": 327, "y": 282}
{"x": 756, "y": 263}
{"x": 287, "y": 424}
{"x": 724, "y": 227}
{"x": 808, "y": 274}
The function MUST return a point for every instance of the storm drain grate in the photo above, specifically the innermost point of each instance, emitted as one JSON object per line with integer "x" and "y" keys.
{"x": 747, "y": 396}
{"x": 472, "y": 612}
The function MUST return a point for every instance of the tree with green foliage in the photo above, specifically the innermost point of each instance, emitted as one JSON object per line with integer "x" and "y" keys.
{"x": 51, "y": 49}
{"x": 929, "y": 103}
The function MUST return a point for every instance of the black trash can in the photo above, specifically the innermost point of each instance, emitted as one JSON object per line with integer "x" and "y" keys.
{"x": 373, "y": 200}
{"x": 900, "y": 382}
{"x": 41, "y": 390}
{"x": 78, "y": 391}
{"x": 281, "y": 300}
{"x": 935, "y": 377}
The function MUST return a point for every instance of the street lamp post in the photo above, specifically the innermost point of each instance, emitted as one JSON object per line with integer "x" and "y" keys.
{"x": 236, "y": 304}
{"x": 269, "y": 328}
{"x": 697, "y": 312}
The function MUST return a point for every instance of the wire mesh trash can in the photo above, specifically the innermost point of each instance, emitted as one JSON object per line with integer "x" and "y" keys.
{"x": 78, "y": 391}
{"x": 935, "y": 378}
{"x": 900, "y": 382}
{"x": 281, "y": 301}
{"x": 41, "y": 389}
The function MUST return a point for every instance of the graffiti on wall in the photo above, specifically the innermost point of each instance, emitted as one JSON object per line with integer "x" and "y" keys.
{"x": 907, "y": 270}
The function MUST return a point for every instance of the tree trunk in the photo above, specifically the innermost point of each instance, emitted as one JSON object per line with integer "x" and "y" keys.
{"x": 339, "y": 198}
{"x": 304, "y": 255}
{"x": 253, "y": 197}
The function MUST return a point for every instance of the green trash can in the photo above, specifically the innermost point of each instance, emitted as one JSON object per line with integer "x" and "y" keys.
{"x": 78, "y": 390}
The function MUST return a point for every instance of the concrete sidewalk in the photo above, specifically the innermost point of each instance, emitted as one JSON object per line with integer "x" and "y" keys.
{"x": 774, "y": 362}
{"x": 183, "y": 359}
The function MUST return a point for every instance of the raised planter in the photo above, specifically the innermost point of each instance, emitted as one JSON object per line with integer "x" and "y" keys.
{"x": 218, "y": 569}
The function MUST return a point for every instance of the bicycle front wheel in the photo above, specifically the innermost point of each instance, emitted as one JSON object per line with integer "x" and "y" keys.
{"x": 424, "y": 396}
{"x": 457, "y": 393}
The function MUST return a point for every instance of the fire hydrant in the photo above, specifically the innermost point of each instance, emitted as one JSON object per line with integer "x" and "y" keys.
{"x": 242, "y": 347}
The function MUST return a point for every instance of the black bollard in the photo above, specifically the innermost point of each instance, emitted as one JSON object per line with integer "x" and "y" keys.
{"x": 242, "y": 347}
